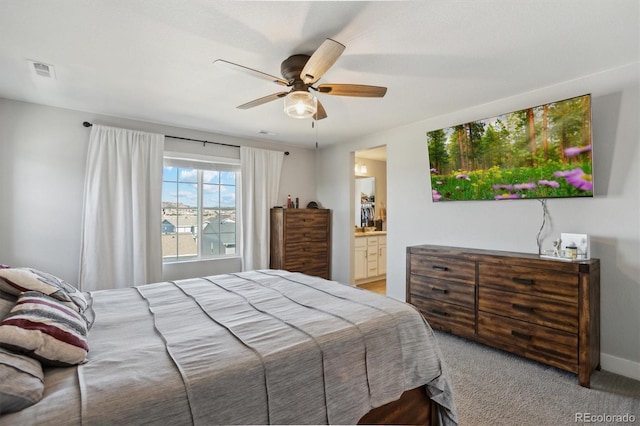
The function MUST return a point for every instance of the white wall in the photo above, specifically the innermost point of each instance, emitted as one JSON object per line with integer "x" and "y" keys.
{"x": 611, "y": 218}
{"x": 42, "y": 168}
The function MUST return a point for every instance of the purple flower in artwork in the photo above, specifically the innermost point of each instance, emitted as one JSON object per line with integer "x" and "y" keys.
{"x": 463, "y": 176}
{"x": 551, "y": 183}
{"x": 505, "y": 196}
{"x": 507, "y": 187}
{"x": 565, "y": 173}
{"x": 435, "y": 195}
{"x": 575, "y": 150}
{"x": 577, "y": 178}
{"x": 433, "y": 170}
{"x": 529, "y": 185}
{"x": 580, "y": 180}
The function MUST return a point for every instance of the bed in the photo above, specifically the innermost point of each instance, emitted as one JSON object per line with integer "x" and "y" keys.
{"x": 256, "y": 347}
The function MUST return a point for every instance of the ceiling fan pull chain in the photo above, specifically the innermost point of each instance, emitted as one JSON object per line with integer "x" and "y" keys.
{"x": 313, "y": 126}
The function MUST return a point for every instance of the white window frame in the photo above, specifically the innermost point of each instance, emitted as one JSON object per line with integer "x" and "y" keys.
{"x": 207, "y": 162}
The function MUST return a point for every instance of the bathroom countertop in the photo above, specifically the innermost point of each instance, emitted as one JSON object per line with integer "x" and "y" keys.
{"x": 370, "y": 233}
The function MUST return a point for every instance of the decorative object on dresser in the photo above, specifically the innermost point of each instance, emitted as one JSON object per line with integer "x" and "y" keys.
{"x": 543, "y": 309}
{"x": 301, "y": 241}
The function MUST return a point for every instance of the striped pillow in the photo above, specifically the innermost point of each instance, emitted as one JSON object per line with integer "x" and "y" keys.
{"x": 17, "y": 280}
{"x": 5, "y": 306}
{"x": 45, "y": 329}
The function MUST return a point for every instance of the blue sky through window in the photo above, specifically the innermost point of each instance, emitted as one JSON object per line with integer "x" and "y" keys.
{"x": 180, "y": 185}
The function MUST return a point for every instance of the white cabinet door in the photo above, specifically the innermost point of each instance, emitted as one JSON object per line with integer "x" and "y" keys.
{"x": 360, "y": 258}
{"x": 372, "y": 257}
{"x": 382, "y": 255}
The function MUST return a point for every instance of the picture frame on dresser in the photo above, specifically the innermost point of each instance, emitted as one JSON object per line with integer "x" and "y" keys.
{"x": 543, "y": 309}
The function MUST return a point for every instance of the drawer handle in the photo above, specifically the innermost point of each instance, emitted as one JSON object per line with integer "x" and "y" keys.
{"x": 439, "y": 290}
{"x": 525, "y": 281}
{"x": 438, "y": 312}
{"x": 522, "y": 308}
{"x": 520, "y": 335}
{"x": 306, "y": 235}
{"x": 439, "y": 268}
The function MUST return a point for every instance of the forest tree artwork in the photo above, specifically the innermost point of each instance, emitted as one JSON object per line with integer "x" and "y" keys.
{"x": 538, "y": 152}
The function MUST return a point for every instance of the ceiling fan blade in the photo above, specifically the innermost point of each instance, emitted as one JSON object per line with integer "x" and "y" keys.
{"x": 359, "y": 90}
{"x": 251, "y": 71}
{"x": 263, "y": 100}
{"x": 321, "y": 60}
{"x": 320, "y": 112}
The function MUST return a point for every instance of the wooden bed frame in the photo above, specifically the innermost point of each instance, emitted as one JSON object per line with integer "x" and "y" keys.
{"x": 413, "y": 408}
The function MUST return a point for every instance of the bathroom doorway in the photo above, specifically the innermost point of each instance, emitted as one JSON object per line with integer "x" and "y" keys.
{"x": 369, "y": 220}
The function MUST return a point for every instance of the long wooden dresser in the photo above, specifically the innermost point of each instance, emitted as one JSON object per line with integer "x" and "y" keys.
{"x": 301, "y": 241}
{"x": 547, "y": 310}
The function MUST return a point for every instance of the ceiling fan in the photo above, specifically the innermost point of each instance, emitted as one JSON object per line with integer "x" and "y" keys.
{"x": 300, "y": 73}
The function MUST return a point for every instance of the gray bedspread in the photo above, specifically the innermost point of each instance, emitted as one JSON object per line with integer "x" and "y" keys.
{"x": 256, "y": 347}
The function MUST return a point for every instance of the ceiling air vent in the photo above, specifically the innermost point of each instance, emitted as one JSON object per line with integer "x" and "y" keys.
{"x": 42, "y": 69}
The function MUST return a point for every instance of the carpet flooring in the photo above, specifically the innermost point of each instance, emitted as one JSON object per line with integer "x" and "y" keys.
{"x": 493, "y": 388}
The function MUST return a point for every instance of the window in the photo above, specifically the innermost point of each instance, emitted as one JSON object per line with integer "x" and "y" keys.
{"x": 199, "y": 208}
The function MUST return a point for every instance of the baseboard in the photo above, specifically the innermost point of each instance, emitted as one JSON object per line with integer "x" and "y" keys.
{"x": 621, "y": 366}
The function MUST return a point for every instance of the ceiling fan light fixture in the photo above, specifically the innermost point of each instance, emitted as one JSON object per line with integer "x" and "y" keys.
{"x": 300, "y": 104}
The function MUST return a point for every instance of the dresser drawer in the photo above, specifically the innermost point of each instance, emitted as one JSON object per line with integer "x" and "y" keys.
{"x": 306, "y": 234}
{"x": 456, "y": 270}
{"x": 446, "y": 316}
{"x": 304, "y": 264}
{"x": 544, "y": 344}
{"x": 302, "y": 249}
{"x": 549, "y": 283}
{"x": 306, "y": 218}
{"x": 533, "y": 309}
{"x": 433, "y": 288}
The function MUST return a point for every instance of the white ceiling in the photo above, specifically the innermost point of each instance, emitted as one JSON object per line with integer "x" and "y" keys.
{"x": 152, "y": 60}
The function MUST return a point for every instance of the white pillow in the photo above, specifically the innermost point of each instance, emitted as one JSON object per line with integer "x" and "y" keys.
{"x": 17, "y": 280}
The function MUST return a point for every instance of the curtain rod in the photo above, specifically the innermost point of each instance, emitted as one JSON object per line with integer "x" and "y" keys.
{"x": 203, "y": 142}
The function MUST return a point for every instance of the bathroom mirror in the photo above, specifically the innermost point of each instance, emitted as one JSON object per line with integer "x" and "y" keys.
{"x": 365, "y": 192}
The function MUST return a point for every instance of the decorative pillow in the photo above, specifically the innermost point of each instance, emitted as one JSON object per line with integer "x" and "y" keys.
{"x": 43, "y": 328}
{"x": 17, "y": 280}
{"x": 5, "y": 306}
{"x": 22, "y": 381}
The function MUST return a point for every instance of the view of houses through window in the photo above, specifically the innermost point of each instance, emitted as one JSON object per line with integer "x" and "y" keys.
{"x": 198, "y": 213}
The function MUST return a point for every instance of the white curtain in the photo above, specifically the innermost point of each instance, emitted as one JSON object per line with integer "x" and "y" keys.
{"x": 260, "y": 171}
{"x": 121, "y": 235}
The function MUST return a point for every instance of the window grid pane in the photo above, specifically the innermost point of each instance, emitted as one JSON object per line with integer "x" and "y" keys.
{"x": 194, "y": 200}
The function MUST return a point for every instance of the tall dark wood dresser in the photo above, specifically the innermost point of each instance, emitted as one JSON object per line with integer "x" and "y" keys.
{"x": 301, "y": 241}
